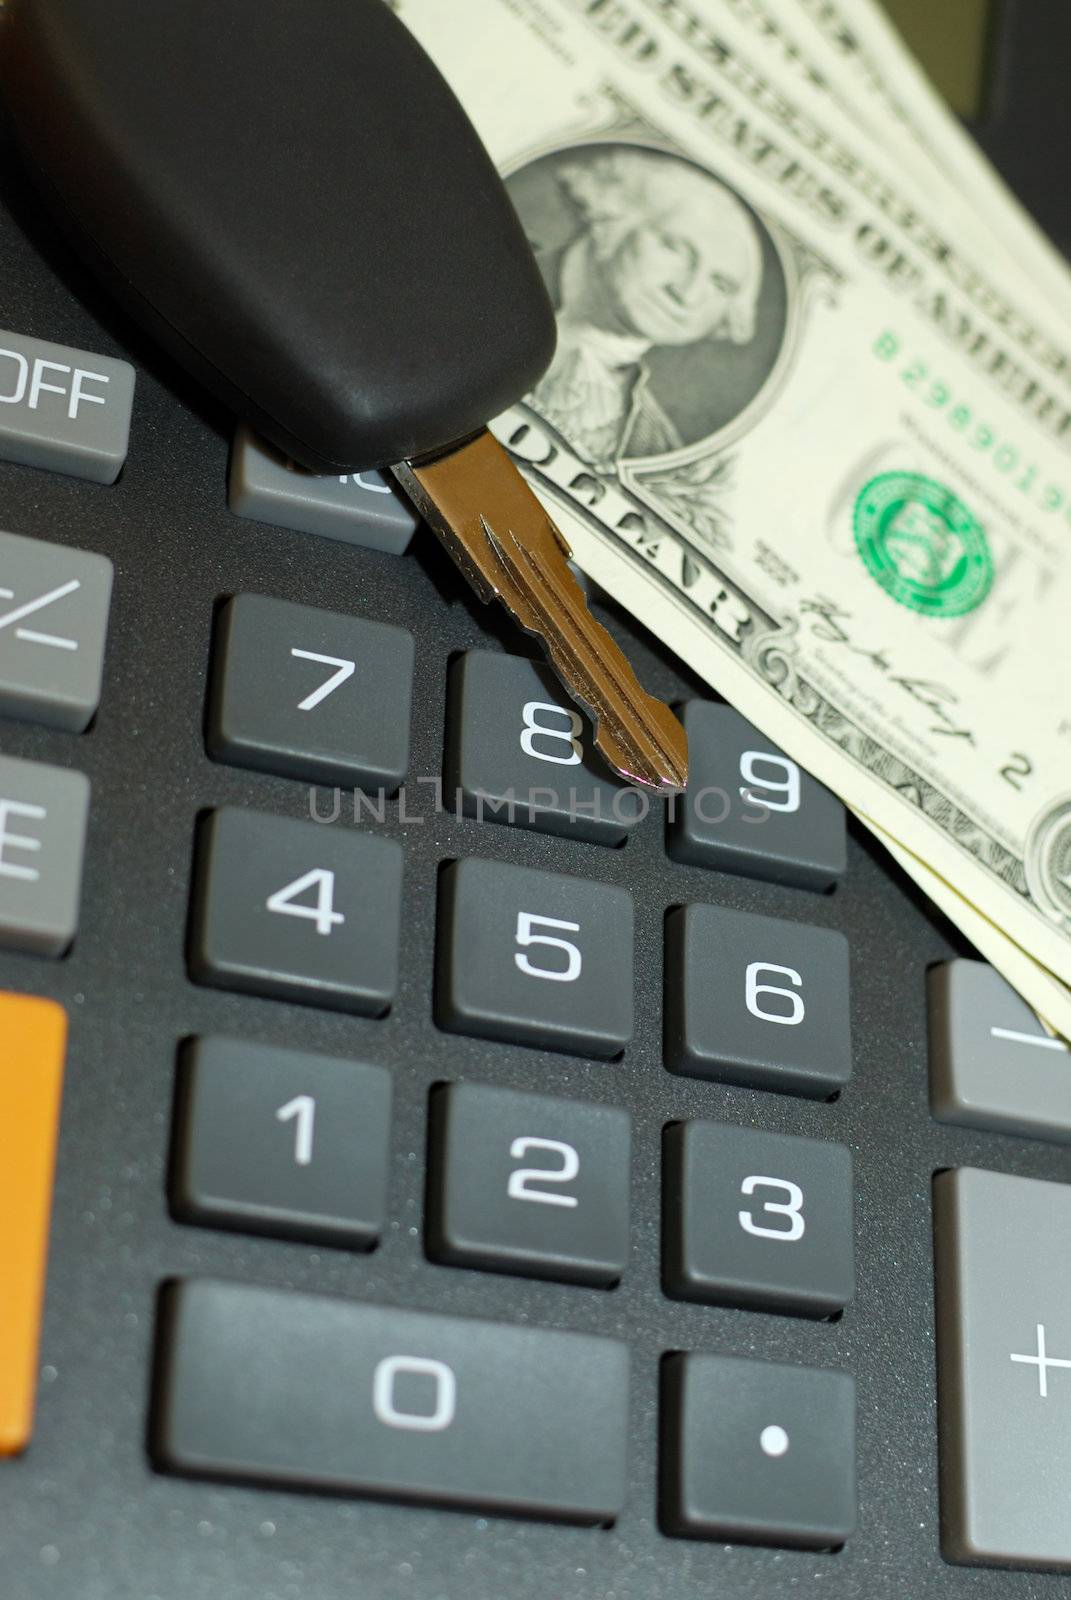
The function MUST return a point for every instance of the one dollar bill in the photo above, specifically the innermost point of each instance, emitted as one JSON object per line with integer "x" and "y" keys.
{"x": 797, "y": 441}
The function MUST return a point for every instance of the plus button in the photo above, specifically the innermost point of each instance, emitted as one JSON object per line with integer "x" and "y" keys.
{"x": 1043, "y": 1362}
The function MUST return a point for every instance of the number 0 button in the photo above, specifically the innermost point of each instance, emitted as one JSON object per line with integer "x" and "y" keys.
{"x": 523, "y": 1183}
{"x": 758, "y": 1219}
{"x": 757, "y": 1001}
{"x": 534, "y": 957}
{"x": 282, "y": 1142}
{"x": 297, "y": 910}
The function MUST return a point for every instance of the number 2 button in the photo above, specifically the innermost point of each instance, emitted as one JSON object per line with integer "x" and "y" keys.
{"x": 757, "y": 1001}
{"x": 297, "y": 910}
{"x": 534, "y": 957}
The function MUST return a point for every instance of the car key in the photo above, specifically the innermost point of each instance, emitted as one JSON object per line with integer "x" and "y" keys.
{"x": 294, "y": 203}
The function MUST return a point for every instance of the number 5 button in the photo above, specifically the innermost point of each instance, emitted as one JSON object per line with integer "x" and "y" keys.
{"x": 757, "y": 1001}
{"x": 534, "y": 957}
{"x": 310, "y": 694}
{"x": 758, "y": 1219}
{"x": 297, "y": 910}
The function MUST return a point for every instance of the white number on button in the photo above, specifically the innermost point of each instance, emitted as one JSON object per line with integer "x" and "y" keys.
{"x": 301, "y": 1111}
{"x": 346, "y": 669}
{"x": 566, "y": 735}
{"x": 414, "y": 1421}
{"x": 323, "y": 913}
{"x": 787, "y": 787}
{"x": 792, "y": 1208}
{"x": 526, "y": 921}
{"x": 753, "y": 989}
{"x": 519, "y": 1181}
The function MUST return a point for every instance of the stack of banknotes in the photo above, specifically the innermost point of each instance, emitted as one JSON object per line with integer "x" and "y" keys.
{"x": 809, "y": 418}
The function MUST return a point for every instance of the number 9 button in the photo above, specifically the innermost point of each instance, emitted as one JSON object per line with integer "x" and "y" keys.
{"x": 749, "y": 809}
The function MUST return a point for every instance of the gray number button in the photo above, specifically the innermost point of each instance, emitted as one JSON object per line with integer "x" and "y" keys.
{"x": 312, "y": 694}
{"x": 758, "y": 1219}
{"x": 534, "y": 957}
{"x": 757, "y": 1001}
{"x": 43, "y": 815}
{"x": 282, "y": 1142}
{"x": 297, "y": 910}
{"x": 362, "y": 508}
{"x": 53, "y": 623}
{"x": 523, "y": 1183}
{"x": 992, "y": 1065}
{"x": 66, "y": 410}
{"x": 749, "y": 809}
{"x": 1004, "y": 1367}
{"x": 519, "y": 752}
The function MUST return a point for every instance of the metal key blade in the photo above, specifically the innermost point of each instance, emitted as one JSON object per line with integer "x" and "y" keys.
{"x": 504, "y": 542}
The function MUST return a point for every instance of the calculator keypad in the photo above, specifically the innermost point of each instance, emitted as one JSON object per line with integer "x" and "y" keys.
{"x": 757, "y": 1001}
{"x": 43, "y": 817}
{"x": 311, "y": 694}
{"x": 525, "y": 1183}
{"x": 271, "y": 1387}
{"x": 758, "y": 1219}
{"x": 749, "y": 809}
{"x": 758, "y": 1452}
{"x": 519, "y": 752}
{"x": 298, "y": 910}
{"x": 282, "y": 1142}
{"x": 534, "y": 957}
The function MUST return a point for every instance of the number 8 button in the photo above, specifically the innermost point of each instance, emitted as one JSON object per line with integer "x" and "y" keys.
{"x": 534, "y": 957}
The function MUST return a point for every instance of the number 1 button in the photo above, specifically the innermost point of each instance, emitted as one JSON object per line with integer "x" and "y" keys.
{"x": 534, "y": 957}
{"x": 297, "y": 910}
{"x": 283, "y": 1142}
{"x": 310, "y": 694}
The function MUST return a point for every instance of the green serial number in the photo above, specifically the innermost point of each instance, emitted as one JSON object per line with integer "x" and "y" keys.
{"x": 1003, "y": 456}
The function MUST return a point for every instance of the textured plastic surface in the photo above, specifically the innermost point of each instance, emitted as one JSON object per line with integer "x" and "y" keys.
{"x": 84, "y": 1515}
{"x": 293, "y": 201}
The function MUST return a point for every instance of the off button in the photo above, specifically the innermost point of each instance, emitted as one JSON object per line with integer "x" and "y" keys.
{"x": 33, "y": 1035}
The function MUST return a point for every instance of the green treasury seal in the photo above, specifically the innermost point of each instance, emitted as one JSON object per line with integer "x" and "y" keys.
{"x": 919, "y": 541}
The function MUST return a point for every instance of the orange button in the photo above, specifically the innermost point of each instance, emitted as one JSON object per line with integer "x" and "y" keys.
{"x": 33, "y": 1034}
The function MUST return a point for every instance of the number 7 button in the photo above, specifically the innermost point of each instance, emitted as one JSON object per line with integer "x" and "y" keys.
{"x": 311, "y": 694}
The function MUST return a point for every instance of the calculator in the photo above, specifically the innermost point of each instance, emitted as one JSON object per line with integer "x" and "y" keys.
{"x": 432, "y": 1171}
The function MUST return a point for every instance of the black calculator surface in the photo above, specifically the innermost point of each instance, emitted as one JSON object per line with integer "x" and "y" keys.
{"x": 472, "y": 1182}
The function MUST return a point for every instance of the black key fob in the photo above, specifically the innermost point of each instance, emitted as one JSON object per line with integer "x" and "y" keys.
{"x": 293, "y": 202}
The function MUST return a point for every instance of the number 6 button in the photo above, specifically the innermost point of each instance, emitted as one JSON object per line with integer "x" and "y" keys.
{"x": 758, "y": 1219}
{"x": 757, "y": 1001}
{"x": 534, "y": 957}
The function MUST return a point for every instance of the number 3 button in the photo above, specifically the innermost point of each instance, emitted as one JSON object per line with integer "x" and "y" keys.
{"x": 758, "y": 1219}
{"x": 534, "y": 957}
